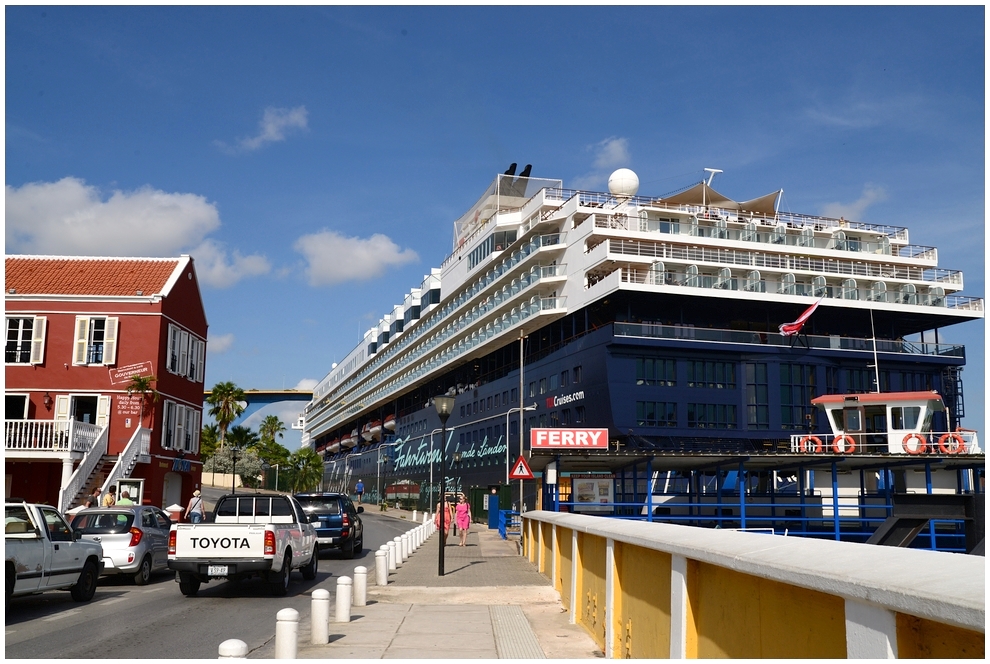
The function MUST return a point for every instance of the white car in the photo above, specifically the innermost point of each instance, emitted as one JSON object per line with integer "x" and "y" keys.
{"x": 134, "y": 538}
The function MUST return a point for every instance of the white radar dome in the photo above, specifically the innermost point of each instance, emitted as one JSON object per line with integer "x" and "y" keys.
{"x": 623, "y": 182}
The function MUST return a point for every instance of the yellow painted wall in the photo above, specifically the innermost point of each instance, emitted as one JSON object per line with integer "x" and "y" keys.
{"x": 918, "y": 638}
{"x": 591, "y": 587}
{"x": 642, "y": 603}
{"x": 566, "y": 554}
{"x": 739, "y": 615}
{"x": 546, "y": 532}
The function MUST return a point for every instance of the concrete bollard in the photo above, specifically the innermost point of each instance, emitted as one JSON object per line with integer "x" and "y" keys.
{"x": 343, "y": 600}
{"x": 384, "y": 547}
{"x": 406, "y": 548}
{"x": 286, "y": 634}
{"x": 320, "y": 617}
{"x": 233, "y": 649}
{"x": 360, "y": 586}
{"x": 381, "y": 567}
{"x": 398, "y": 551}
{"x": 392, "y": 563}
{"x": 426, "y": 518}
{"x": 414, "y": 515}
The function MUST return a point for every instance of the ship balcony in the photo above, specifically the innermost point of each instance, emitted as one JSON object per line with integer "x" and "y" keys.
{"x": 786, "y": 284}
{"x": 832, "y": 342}
{"x": 768, "y": 235}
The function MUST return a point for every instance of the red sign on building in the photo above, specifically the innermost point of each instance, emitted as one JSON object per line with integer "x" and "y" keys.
{"x": 569, "y": 438}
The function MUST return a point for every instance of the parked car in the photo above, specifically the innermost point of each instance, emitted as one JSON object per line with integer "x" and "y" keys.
{"x": 336, "y": 520}
{"x": 42, "y": 553}
{"x": 134, "y": 538}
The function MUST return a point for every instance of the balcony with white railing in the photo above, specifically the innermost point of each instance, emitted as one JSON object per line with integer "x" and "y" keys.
{"x": 52, "y": 439}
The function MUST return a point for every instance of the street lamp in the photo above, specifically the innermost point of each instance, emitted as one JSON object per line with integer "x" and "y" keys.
{"x": 378, "y": 486}
{"x": 276, "y": 477}
{"x": 445, "y": 406}
{"x": 233, "y": 470}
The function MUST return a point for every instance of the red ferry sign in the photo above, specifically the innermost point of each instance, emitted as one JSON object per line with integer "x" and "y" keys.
{"x": 569, "y": 438}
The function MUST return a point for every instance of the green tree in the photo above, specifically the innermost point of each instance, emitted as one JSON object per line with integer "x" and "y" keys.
{"x": 225, "y": 406}
{"x": 271, "y": 428}
{"x": 307, "y": 469}
{"x": 209, "y": 438}
{"x": 268, "y": 450}
{"x": 143, "y": 385}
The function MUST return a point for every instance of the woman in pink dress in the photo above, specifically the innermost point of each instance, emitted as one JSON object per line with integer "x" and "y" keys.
{"x": 463, "y": 517}
{"x": 448, "y": 518}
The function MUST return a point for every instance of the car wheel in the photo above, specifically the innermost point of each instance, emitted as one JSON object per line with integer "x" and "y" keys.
{"x": 278, "y": 582}
{"x": 188, "y": 584}
{"x": 348, "y": 549}
{"x": 85, "y": 587}
{"x": 143, "y": 575}
{"x": 359, "y": 546}
{"x": 309, "y": 571}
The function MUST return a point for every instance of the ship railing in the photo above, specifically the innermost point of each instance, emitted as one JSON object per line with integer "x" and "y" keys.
{"x": 931, "y": 443}
{"x": 658, "y": 331}
{"x": 757, "y": 259}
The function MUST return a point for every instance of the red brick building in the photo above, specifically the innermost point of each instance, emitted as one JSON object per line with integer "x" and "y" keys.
{"x": 78, "y": 329}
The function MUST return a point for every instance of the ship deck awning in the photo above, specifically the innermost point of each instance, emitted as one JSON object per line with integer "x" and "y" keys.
{"x": 615, "y": 462}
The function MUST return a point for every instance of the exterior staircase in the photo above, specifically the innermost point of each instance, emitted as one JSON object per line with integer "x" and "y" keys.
{"x": 96, "y": 478}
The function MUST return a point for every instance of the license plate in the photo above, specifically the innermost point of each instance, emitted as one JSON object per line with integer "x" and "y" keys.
{"x": 217, "y": 570}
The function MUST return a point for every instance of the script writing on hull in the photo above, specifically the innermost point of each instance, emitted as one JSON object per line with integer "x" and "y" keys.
{"x": 569, "y": 438}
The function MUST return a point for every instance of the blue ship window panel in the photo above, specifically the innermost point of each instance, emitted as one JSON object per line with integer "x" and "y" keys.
{"x": 656, "y": 414}
{"x": 711, "y": 416}
{"x": 565, "y": 417}
{"x": 543, "y": 386}
{"x": 720, "y": 375}
{"x": 554, "y": 382}
{"x": 655, "y": 371}
{"x": 577, "y": 374}
{"x": 797, "y": 389}
{"x": 532, "y": 389}
{"x": 757, "y": 396}
{"x": 564, "y": 378}
{"x": 579, "y": 415}
{"x": 514, "y": 393}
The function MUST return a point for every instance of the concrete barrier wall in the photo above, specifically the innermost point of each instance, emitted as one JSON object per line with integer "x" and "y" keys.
{"x": 654, "y": 590}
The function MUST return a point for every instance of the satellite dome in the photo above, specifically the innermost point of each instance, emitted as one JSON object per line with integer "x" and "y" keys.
{"x": 623, "y": 182}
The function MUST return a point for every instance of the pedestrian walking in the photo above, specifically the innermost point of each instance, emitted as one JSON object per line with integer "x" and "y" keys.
{"x": 194, "y": 510}
{"x": 93, "y": 499}
{"x": 462, "y": 515}
{"x": 359, "y": 489}
{"x": 125, "y": 498}
{"x": 110, "y": 497}
{"x": 448, "y": 516}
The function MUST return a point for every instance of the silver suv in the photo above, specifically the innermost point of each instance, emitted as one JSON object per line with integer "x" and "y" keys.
{"x": 134, "y": 538}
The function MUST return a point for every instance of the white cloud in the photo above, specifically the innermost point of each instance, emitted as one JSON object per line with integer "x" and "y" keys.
{"x": 272, "y": 128}
{"x": 334, "y": 258}
{"x": 215, "y": 268}
{"x": 219, "y": 344}
{"x": 71, "y": 218}
{"x": 609, "y": 154}
{"x": 855, "y": 210}
{"x": 306, "y": 384}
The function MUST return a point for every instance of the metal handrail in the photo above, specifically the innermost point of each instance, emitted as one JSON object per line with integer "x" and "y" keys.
{"x": 139, "y": 444}
{"x": 85, "y": 468}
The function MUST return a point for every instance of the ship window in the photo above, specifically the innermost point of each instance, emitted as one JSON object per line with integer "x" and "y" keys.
{"x": 554, "y": 419}
{"x": 711, "y": 416}
{"x": 797, "y": 389}
{"x": 757, "y": 398}
{"x": 579, "y": 415}
{"x": 532, "y": 389}
{"x": 543, "y": 420}
{"x": 564, "y": 378}
{"x": 554, "y": 382}
{"x": 905, "y": 418}
{"x": 577, "y": 375}
{"x": 565, "y": 417}
{"x": 853, "y": 419}
{"x": 514, "y": 394}
{"x": 656, "y": 414}
{"x": 543, "y": 386}
{"x": 489, "y": 403}
{"x": 655, "y": 371}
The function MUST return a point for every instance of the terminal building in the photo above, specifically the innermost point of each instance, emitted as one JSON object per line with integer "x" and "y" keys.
{"x": 663, "y": 320}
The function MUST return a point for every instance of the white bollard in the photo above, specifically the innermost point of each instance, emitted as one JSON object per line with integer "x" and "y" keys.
{"x": 393, "y": 563}
{"x": 406, "y": 549}
{"x": 384, "y": 547}
{"x": 320, "y": 617}
{"x": 286, "y": 634}
{"x": 233, "y": 649}
{"x": 426, "y": 518}
{"x": 414, "y": 515}
{"x": 343, "y": 600}
{"x": 360, "y": 586}
{"x": 398, "y": 551}
{"x": 381, "y": 567}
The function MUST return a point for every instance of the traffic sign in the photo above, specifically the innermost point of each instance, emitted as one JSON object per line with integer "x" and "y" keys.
{"x": 520, "y": 470}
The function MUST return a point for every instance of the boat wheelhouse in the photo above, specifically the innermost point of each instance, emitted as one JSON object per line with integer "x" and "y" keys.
{"x": 656, "y": 318}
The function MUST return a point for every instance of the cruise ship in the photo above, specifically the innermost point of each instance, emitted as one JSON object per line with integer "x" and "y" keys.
{"x": 658, "y": 318}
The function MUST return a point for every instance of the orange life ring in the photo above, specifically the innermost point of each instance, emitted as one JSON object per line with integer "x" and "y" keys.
{"x": 804, "y": 447}
{"x": 848, "y": 447}
{"x": 958, "y": 448}
{"x": 920, "y": 449}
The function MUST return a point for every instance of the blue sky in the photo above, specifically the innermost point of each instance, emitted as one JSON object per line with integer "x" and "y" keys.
{"x": 313, "y": 159}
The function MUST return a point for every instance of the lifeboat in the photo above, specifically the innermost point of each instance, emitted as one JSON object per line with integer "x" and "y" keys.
{"x": 374, "y": 430}
{"x": 390, "y": 423}
{"x": 366, "y": 431}
{"x": 351, "y": 440}
{"x": 334, "y": 446}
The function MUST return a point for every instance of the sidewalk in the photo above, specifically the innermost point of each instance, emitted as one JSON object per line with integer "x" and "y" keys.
{"x": 490, "y": 604}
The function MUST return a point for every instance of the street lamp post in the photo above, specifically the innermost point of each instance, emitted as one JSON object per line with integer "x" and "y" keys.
{"x": 445, "y": 406}
{"x": 233, "y": 470}
{"x": 276, "y": 477}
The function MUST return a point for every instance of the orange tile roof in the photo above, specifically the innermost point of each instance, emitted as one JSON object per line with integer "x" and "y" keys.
{"x": 60, "y": 275}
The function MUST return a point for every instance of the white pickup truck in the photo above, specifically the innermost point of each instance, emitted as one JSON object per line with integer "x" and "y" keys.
{"x": 249, "y": 535}
{"x": 43, "y": 553}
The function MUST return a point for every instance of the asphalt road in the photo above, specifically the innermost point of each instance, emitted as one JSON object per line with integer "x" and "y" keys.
{"x": 157, "y": 622}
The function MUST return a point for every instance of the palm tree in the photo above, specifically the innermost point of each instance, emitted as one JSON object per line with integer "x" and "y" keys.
{"x": 208, "y": 440}
{"x": 143, "y": 386}
{"x": 225, "y": 406}
{"x": 307, "y": 469}
{"x": 241, "y": 438}
{"x": 271, "y": 427}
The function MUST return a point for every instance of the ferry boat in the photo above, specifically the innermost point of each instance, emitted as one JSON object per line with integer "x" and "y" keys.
{"x": 661, "y": 318}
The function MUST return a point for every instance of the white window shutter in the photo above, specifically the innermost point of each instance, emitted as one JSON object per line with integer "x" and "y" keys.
{"x": 82, "y": 339}
{"x": 180, "y": 427}
{"x": 110, "y": 341}
{"x": 62, "y": 402}
{"x": 168, "y": 425}
{"x": 200, "y": 361}
{"x": 183, "y": 353}
{"x": 103, "y": 411}
{"x": 38, "y": 340}
{"x": 197, "y": 416}
{"x": 171, "y": 353}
